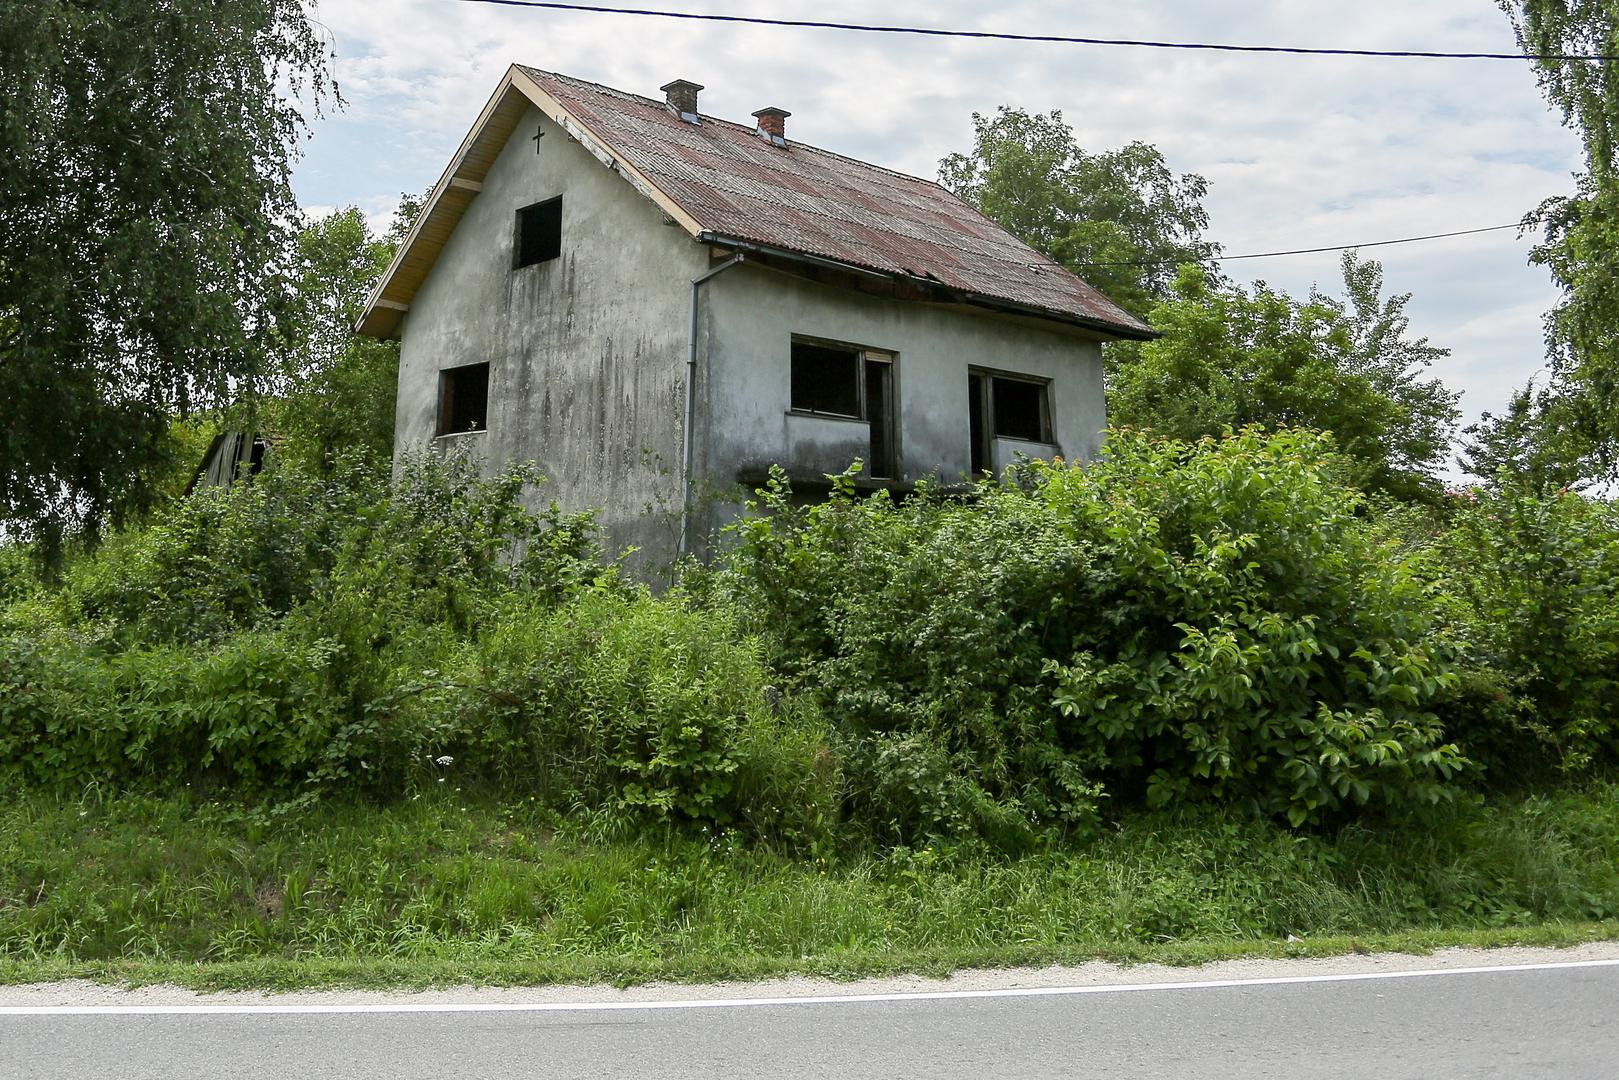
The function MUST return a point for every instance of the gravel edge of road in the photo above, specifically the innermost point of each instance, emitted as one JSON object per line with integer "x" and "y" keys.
{"x": 82, "y": 993}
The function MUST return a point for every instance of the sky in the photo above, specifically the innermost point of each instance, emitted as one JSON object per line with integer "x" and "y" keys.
{"x": 1298, "y": 151}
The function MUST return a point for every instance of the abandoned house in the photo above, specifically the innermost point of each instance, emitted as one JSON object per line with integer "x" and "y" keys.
{"x": 657, "y": 306}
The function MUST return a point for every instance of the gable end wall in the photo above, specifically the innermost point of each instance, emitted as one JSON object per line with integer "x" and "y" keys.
{"x": 587, "y": 352}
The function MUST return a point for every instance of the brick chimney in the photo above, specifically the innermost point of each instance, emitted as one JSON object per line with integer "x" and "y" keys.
{"x": 773, "y": 125}
{"x": 682, "y": 97}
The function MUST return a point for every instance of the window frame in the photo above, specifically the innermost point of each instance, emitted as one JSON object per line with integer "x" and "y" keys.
{"x": 859, "y": 352}
{"x": 447, "y": 378}
{"x": 865, "y": 357}
{"x": 1048, "y": 436}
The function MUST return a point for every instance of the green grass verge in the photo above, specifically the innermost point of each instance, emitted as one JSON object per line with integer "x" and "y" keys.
{"x": 441, "y": 890}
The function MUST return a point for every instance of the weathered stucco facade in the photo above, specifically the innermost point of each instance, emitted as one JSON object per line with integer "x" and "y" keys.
{"x": 588, "y": 348}
{"x": 749, "y": 318}
{"x": 586, "y": 352}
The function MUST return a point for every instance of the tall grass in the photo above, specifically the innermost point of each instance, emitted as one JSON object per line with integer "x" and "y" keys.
{"x": 445, "y": 880}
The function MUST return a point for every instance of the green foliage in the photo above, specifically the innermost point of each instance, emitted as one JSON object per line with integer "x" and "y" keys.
{"x": 1120, "y": 219}
{"x": 432, "y": 549}
{"x": 253, "y": 638}
{"x": 1581, "y": 244}
{"x": 257, "y": 713}
{"x": 17, "y": 574}
{"x": 1224, "y": 622}
{"x": 1531, "y": 588}
{"x": 339, "y": 393}
{"x": 448, "y": 888}
{"x": 1540, "y": 443}
{"x": 144, "y": 190}
{"x": 285, "y": 639}
{"x": 1178, "y": 622}
{"x": 1230, "y": 357}
{"x": 648, "y": 707}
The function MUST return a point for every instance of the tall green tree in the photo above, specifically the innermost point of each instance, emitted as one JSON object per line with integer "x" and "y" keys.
{"x": 145, "y": 212}
{"x": 1228, "y": 357}
{"x": 1119, "y": 219}
{"x": 1581, "y": 242}
{"x": 1539, "y": 443}
{"x": 340, "y": 387}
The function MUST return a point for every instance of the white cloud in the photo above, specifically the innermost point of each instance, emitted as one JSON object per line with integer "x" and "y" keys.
{"x": 1300, "y": 152}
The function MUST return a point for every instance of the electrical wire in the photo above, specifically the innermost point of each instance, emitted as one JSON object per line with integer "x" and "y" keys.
{"x": 1317, "y": 250}
{"x": 1127, "y": 42}
{"x": 986, "y": 35}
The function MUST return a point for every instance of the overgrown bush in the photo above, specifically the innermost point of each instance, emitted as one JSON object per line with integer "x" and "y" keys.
{"x": 1225, "y": 622}
{"x": 1176, "y": 622}
{"x": 249, "y": 639}
{"x": 427, "y": 547}
{"x": 259, "y": 714}
{"x": 17, "y": 575}
{"x": 641, "y": 705}
{"x": 1530, "y": 586}
{"x": 297, "y": 636}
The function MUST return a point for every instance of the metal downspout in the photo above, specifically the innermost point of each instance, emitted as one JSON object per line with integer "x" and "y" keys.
{"x": 687, "y": 447}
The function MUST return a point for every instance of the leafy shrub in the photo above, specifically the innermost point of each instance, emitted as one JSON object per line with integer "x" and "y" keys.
{"x": 1207, "y": 621}
{"x": 250, "y": 639}
{"x": 1530, "y": 587}
{"x": 641, "y": 705}
{"x": 257, "y": 714}
{"x": 17, "y": 578}
{"x": 426, "y": 548}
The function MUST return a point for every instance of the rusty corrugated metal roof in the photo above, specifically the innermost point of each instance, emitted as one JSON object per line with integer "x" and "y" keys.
{"x": 802, "y": 199}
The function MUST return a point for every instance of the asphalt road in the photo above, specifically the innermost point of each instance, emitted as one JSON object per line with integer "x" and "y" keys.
{"x": 1555, "y": 1021}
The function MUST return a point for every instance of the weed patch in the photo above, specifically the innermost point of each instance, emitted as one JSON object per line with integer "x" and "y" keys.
{"x": 446, "y": 884}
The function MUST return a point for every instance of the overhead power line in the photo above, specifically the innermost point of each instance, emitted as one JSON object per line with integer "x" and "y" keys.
{"x": 1318, "y": 250}
{"x": 1061, "y": 39}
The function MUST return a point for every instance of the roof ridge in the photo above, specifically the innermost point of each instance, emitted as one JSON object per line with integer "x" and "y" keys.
{"x": 745, "y": 128}
{"x": 991, "y": 244}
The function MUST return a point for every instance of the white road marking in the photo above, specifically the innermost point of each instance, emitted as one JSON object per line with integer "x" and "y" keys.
{"x": 763, "y": 1002}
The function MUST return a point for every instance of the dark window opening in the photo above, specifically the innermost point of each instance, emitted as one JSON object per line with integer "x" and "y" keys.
{"x": 977, "y": 395}
{"x": 880, "y": 411}
{"x": 852, "y": 384}
{"x": 255, "y": 457}
{"x": 1020, "y": 409}
{"x": 1001, "y": 407}
{"x": 826, "y": 379}
{"x": 463, "y": 399}
{"x": 539, "y": 232}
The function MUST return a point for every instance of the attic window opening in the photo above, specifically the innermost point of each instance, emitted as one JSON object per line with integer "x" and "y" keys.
{"x": 539, "y": 232}
{"x": 463, "y": 399}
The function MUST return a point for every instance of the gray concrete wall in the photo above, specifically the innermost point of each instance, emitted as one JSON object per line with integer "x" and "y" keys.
{"x": 587, "y": 353}
{"x": 749, "y": 317}
{"x": 587, "y": 356}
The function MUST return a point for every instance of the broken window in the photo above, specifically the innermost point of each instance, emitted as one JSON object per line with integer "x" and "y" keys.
{"x": 851, "y": 383}
{"x": 539, "y": 232}
{"x": 1006, "y": 407}
{"x": 463, "y": 399}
